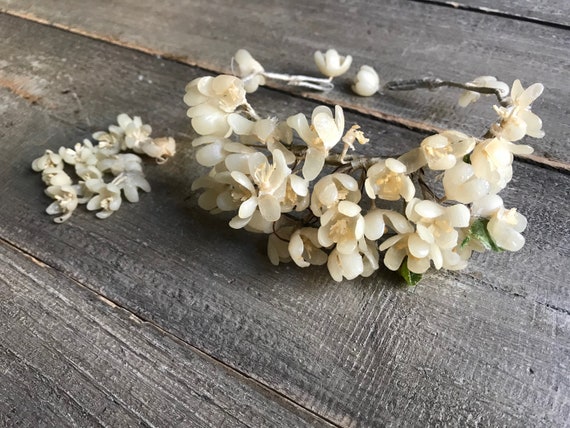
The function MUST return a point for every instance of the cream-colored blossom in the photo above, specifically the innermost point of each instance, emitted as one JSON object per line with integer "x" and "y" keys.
{"x": 342, "y": 225}
{"x": 110, "y": 143}
{"x": 377, "y": 221}
{"x": 366, "y": 82}
{"x": 55, "y": 177}
{"x": 250, "y": 70}
{"x": 517, "y": 120}
{"x": 462, "y": 185}
{"x": 323, "y": 134}
{"x": 468, "y": 97}
{"x": 388, "y": 180}
{"x": 332, "y": 189}
{"x": 505, "y": 225}
{"x": 258, "y": 189}
{"x": 48, "y": 160}
{"x": 130, "y": 182}
{"x": 160, "y": 149}
{"x": 88, "y": 172}
{"x": 65, "y": 201}
{"x": 134, "y": 130}
{"x": 304, "y": 247}
{"x": 211, "y": 100}
{"x": 278, "y": 246}
{"x": 362, "y": 261}
{"x": 107, "y": 198}
{"x": 296, "y": 195}
{"x": 435, "y": 238}
{"x": 83, "y": 153}
{"x": 216, "y": 192}
{"x": 331, "y": 64}
{"x": 119, "y": 163}
{"x": 214, "y": 150}
{"x": 370, "y": 256}
{"x": 442, "y": 150}
{"x": 268, "y": 131}
{"x": 492, "y": 160}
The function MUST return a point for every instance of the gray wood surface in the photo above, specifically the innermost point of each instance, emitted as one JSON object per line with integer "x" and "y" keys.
{"x": 489, "y": 346}
{"x": 552, "y": 12}
{"x": 401, "y": 39}
{"x": 69, "y": 357}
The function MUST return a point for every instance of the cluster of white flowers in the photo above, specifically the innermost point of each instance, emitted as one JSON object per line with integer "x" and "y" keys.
{"x": 93, "y": 164}
{"x": 293, "y": 179}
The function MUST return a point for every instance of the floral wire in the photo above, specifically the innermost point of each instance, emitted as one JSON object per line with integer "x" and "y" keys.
{"x": 434, "y": 83}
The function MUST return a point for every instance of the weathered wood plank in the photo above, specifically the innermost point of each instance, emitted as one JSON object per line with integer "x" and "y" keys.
{"x": 69, "y": 357}
{"x": 469, "y": 348}
{"x": 401, "y": 39}
{"x": 551, "y": 12}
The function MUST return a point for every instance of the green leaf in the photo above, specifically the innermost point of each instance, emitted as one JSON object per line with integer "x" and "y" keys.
{"x": 411, "y": 278}
{"x": 467, "y": 158}
{"x": 478, "y": 231}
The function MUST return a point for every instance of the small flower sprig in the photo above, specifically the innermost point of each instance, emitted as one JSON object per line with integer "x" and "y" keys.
{"x": 320, "y": 205}
{"x": 92, "y": 164}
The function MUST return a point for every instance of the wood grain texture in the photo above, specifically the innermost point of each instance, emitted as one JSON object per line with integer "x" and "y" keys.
{"x": 554, "y": 12}
{"x": 487, "y": 347}
{"x": 69, "y": 357}
{"x": 401, "y": 39}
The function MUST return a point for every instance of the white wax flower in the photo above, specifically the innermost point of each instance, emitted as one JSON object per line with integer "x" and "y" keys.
{"x": 48, "y": 160}
{"x": 344, "y": 265}
{"x": 130, "y": 182}
{"x": 332, "y": 189}
{"x": 211, "y": 100}
{"x": 217, "y": 193}
{"x": 83, "y": 153}
{"x": 323, "y": 134}
{"x": 305, "y": 249}
{"x": 468, "y": 97}
{"x": 160, "y": 149}
{"x": 107, "y": 197}
{"x": 249, "y": 70}
{"x": 214, "y": 150}
{"x": 278, "y": 245}
{"x": 296, "y": 195}
{"x": 505, "y": 225}
{"x": 55, "y": 177}
{"x": 258, "y": 189}
{"x": 362, "y": 261}
{"x": 342, "y": 225}
{"x": 388, "y": 180}
{"x": 462, "y": 185}
{"x": 119, "y": 163}
{"x": 441, "y": 151}
{"x": 65, "y": 201}
{"x": 434, "y": 240}
{"x": 266, "y": 131}
{"x": 492, "y": 161}
{"x": 88, "y": 172}
{"x": 331, "y": 64}
{"x": 134, "y": 130}
{"x": 518, "y": 120}
{"x": 110, "y": 143}
{"x": 366, "y": 82}
{"x": 377, "y": 221}
{"x": 369, "y": 251}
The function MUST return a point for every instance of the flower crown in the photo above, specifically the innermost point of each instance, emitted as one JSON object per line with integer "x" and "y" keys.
{"x": 296, "y": 181}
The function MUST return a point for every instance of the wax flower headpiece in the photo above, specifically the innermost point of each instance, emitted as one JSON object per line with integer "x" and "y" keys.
{"x": 295, "y": 180}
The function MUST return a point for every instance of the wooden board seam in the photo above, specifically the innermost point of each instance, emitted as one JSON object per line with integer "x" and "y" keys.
{"x": 392, "y": 119}
{"x": 114, "y": 304}
{"x": 494, "y": 12}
